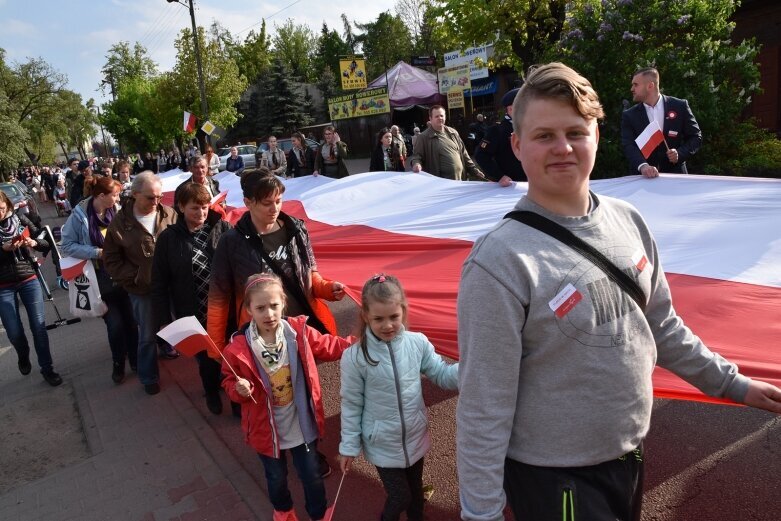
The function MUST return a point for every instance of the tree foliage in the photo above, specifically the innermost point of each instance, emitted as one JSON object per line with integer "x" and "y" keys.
{"x": 278, "y": 103}
{"x": 521, "y": 30}
{"x": 37, "y": 111}
{"x": 431, "y": 35}
{"x": 329, "y": 47}
{"x": 688, "y": 41}
{"x": 385, "y": 41}
{"x": 147, "y": 112}
{"x": 294, "y": 44}
{"x": 123, "y": 63}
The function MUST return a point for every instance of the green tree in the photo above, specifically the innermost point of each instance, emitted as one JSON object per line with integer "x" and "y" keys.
{"x": 295, "y": 45}
{"x": 330, "y": 47}
{"x": 223, "y": 81}
{"x": 689, "y": 42}
{"x": 253, "y": 57}
{"x": 349, "y": 38}
{"x": 72, "y": 123}
{"x": 327, "y": 84}
{"x": 133, "y": 117}
{"x": 123, "y": 63}
{"x": 283, "y": 104}
{"x": 522, "y": 30}
{"x": 385, "y": 41}
{"x": 33, "y": 93}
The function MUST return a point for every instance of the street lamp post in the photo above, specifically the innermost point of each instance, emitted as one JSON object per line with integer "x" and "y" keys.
{"x": 201, "y": 85}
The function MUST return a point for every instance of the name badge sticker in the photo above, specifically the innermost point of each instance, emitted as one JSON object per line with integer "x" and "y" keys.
{"x": 567, "y": 299}
{"x": 640, "y": 260}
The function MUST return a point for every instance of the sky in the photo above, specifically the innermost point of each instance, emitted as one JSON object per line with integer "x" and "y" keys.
{"x": 74, "y": 36}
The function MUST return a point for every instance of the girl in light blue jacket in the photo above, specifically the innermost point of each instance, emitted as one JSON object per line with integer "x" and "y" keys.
{"x": 382, "y": 401}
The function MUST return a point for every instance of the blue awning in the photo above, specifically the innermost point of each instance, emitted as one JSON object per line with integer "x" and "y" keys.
{"x": 482, "y": 87}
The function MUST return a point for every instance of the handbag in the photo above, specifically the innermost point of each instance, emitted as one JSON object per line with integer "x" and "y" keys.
{"x": 555, "y": 230}
{"x": 84, "y": 295}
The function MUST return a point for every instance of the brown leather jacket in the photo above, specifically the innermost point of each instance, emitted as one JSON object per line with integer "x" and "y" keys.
{"x": 129, "y": 249}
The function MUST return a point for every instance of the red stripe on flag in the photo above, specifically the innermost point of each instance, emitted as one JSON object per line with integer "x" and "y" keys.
{"x": 737, "y": 320}
{"x": 70, "y": 272}
{"x": 193, "y": 344}
{"x": 653, "y": 141}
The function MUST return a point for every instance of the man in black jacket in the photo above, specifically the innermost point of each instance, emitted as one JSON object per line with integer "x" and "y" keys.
{"x": 682, "y": 135}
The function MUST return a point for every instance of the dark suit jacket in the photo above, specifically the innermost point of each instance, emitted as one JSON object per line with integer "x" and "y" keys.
{"x": 680, "y": 129}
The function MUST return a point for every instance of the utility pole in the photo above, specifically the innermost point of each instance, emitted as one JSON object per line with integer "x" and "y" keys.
{"x": 201, "y": 85}
{"x": 103, "y": 133}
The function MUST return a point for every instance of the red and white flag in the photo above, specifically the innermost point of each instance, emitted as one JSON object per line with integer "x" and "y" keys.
{"x": 189, "y": 121}
{"x": 724, "y": 271}
{"x": 71, "y": 267}
{"x": 218, "y": 199}
{"x": 187, "y": 336}
{"x": 649, "y": 139}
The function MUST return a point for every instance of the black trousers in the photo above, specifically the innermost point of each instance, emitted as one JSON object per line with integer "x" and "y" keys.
{"x": 405, "y": 492}
{"x": 210, "y": 371}
{"x": 609, "y": 491}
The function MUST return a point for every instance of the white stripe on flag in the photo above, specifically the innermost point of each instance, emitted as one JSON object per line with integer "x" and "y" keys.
{"x": 180, "y": 329}
{"x": 649, "y": 139}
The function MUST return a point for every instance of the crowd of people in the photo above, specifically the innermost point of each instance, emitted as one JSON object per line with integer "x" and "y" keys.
{"x": 256, "y": 289}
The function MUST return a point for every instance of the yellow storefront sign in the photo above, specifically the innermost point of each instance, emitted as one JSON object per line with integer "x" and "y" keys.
{"x": 454, "y": 78}
{"x": 364, "y": 103}
{"x": 455, "y": 99}
{"x": 352, "y": 70}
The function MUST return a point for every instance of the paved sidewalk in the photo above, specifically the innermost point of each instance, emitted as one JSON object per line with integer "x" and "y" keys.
{"x": 147, "y": 457}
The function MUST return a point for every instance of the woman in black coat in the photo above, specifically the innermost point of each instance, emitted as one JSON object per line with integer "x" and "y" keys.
{"x": 181, "y": 270}
{"x": 18, "y": 281}
{"x": 386, "y": 156}
{"x": 301, "y": 158}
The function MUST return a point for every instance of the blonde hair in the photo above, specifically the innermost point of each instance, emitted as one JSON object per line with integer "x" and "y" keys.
{"x": 556, "y": 81}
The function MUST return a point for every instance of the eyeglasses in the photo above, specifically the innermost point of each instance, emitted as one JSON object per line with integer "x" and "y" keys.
{"x": 152, "y": 197}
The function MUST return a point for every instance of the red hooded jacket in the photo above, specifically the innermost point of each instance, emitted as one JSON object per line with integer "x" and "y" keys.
{"x": 257, "y": 420}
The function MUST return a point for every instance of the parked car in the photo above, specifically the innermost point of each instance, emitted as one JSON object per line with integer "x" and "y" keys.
{"x": 23, "y": 199}
{"x": 286, "y": 144}
{"x": 247, "y": 152}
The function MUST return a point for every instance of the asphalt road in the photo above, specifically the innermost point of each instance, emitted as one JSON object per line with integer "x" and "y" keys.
{"x": 703, "y": 461}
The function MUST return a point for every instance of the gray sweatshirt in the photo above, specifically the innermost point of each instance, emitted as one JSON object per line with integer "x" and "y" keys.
{"x": 555, "y": 359}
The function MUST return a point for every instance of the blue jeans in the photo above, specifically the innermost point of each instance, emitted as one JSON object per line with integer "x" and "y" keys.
{"x": 307, "y": 466}
{"x": 121, "y": 327}
{"x": 148, "y": 372}
{"x": 32, "y": 297}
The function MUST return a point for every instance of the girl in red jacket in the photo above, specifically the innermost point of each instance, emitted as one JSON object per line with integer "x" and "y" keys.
{"x": 279, "y": 391}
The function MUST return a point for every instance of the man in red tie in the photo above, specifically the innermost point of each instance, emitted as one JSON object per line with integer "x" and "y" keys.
{"x": 331, "y": 155}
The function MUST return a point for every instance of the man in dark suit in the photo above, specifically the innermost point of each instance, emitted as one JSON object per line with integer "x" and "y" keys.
{"x": 681, "y": 132}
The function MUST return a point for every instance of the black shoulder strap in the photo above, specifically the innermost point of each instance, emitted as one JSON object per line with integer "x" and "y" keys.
{"x": 290, "y": 284}
{"x": 562, "y": 234}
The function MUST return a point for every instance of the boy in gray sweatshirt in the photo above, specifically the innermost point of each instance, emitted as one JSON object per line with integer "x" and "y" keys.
{"x": 555, "y": 358}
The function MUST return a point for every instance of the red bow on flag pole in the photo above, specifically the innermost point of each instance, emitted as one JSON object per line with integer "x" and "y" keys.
{"x": 189, "y": 338}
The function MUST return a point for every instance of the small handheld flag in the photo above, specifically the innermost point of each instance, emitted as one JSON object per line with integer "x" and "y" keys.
{"x": 649, "y": 139}
{"x": 189, "y": 337}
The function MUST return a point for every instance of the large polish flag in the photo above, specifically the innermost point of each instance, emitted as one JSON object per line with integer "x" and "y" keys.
{"x": 718, "y": 237}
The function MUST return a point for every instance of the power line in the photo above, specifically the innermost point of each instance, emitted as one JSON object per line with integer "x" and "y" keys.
{"x": 151, "y": 31}
{"x": 268, "y": 17}
{"x": 162, "y": 35}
